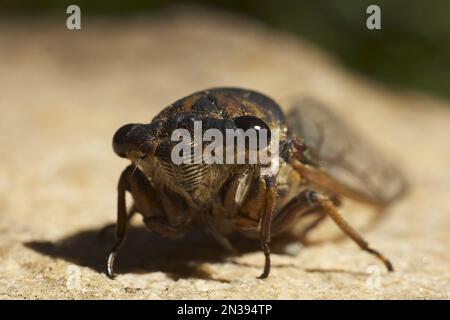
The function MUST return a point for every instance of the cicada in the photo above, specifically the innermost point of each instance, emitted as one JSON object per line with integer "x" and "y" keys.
{"x": 319, "y": 161}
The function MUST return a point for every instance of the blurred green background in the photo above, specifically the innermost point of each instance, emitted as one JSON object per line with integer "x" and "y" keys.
{"x": 411, "y": 51}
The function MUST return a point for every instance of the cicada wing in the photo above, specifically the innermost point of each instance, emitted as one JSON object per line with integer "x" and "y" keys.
{"x": 345, "y": 163}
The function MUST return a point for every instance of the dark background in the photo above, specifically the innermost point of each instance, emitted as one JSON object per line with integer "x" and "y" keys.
{"x": 412, "y": 50}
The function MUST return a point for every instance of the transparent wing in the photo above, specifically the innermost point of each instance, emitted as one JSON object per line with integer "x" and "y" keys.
{"x": 345, "y": 163}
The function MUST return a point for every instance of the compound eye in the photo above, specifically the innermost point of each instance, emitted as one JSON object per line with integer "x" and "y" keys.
{"x": 122, "y": 142}
{"x": 262, "y": 129}
{"x": 133, "y": 139}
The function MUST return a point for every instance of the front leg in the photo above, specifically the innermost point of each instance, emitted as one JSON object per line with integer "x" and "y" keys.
{"x": 122, "y": 221}
{"x": 236, "y": 192}
{"x": 266, "y": 220}
{"x": 146, "y": 201}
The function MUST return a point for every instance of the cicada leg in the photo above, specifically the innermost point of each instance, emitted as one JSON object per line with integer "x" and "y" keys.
{"x": 299, "y": 207}
{"x": 108, "y": 228}
{"x": 122, "y": 224}
{"x": 330, "y": 209}
{"x": 229, "y": 208}
{"x": 266, "y": 220}
{"x": 145, "y": 201}
{"x": 327, "y": 205}
{"x": 311, "y": 201}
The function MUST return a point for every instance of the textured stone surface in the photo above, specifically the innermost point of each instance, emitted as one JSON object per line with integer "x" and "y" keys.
{"x": 64, "y": 93}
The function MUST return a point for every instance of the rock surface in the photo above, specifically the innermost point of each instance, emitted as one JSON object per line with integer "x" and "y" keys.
{"x": 64, "y": 93}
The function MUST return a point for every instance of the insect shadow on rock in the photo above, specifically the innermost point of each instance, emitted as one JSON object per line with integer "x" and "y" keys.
{"x": 143, "y": 252}
{"x": 318, "y": 162}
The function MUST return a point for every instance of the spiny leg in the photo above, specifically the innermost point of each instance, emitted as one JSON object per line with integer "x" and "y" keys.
{"x": 330, "y": 209}
{"x": 266, "y": 221}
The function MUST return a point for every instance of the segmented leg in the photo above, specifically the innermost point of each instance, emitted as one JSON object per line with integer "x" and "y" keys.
{"x": 145, "y": 201}
{"x": 319, "y": 177}
{"x": 297, "y": 208}
{"x": 122, "y": 224}
{"x": 330, "y": 209}
{"x": 236, "y": 193}
{"x": 266, "y": 221}
{"x": 106, "y": 229}
{"x": 312, "y": 202}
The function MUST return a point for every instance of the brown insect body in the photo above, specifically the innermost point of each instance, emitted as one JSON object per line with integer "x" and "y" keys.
{"x": 311, "y": 175}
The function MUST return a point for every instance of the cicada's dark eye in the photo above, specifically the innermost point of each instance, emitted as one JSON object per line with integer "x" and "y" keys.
{"x": 134, "y": 139}
{"x": 262, "y": 129}
{"x": 122, "y": 142}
